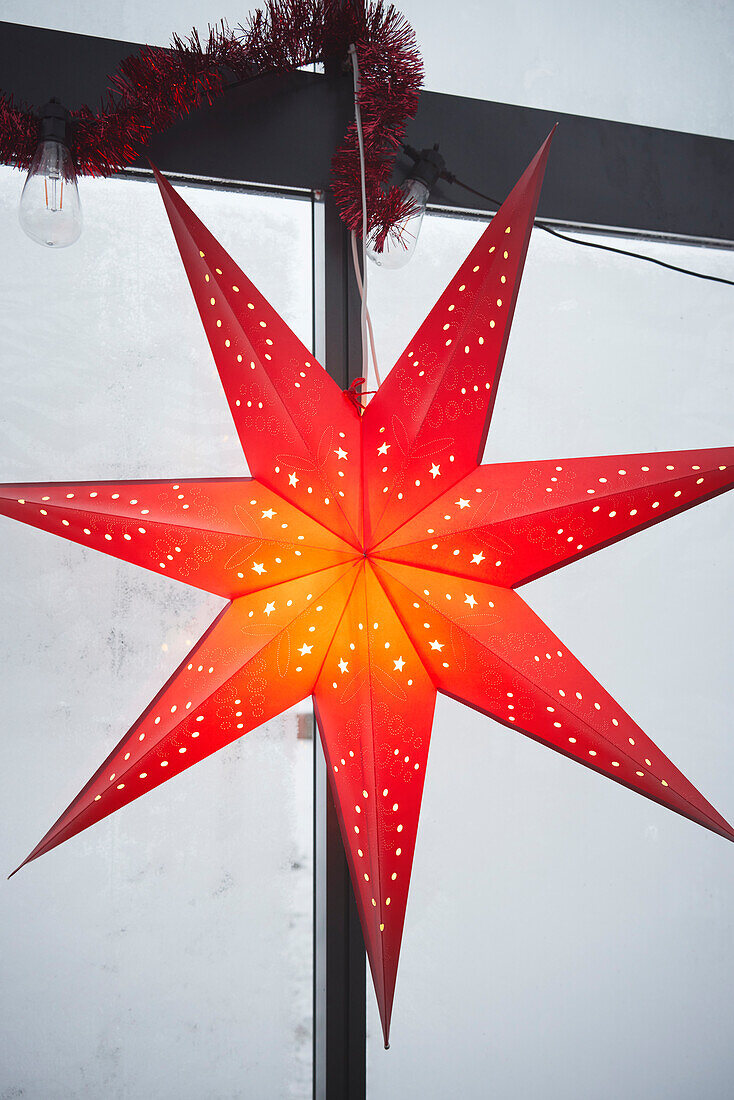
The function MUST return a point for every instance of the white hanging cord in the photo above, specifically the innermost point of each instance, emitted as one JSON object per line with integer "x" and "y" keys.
{"x": 371, "y": 334}
{"x": 365, "y": 322}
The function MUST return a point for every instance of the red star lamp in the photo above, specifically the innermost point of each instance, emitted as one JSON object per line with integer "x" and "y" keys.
{"x": 370, "y": 561}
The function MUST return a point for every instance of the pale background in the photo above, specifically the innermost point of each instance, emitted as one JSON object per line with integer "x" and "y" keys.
{"x": 565, "y": 938}
{"x": 656, "y": 62}
{"x": 167, "y": 953}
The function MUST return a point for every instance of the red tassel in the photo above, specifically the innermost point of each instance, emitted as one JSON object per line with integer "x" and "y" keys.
{"x": 18, "y": 133}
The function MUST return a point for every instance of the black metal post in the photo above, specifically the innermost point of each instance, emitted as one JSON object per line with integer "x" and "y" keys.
{"x": 340, "y": 1009}
{"x": 339, "y": 953}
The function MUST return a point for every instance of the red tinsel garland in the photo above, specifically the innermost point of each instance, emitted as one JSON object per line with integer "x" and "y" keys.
{"x": 155, "y": 87}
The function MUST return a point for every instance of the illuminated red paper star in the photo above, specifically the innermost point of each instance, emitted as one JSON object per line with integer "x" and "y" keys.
{"x": 371, "y": 562}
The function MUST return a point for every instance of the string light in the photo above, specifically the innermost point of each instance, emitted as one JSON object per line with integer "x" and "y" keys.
{"x": 398, "y": 246}
{"x": 50, "y": 212}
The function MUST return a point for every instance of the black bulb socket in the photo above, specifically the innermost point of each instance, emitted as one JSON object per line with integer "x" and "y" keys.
{"x": 55, "y": 123}
{"x": 429, "y": 165}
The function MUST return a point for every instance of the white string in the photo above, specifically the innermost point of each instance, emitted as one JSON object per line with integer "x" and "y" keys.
{"x": 371, "y": 334}
{"x": 365, "y": 323}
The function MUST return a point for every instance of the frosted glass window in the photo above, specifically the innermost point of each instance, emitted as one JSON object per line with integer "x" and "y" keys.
{"x": 564, "y": 936}
{"x": 167, "y": 951}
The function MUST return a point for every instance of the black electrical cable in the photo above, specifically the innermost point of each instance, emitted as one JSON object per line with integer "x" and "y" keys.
{"x": 593, "y": 244}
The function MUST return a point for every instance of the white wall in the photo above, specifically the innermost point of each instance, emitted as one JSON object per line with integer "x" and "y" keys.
{"x": 656, "y": 62}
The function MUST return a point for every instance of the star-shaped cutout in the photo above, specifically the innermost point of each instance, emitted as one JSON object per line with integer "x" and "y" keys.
{"x": 340, "y": 453}
{"x": 373, "y": 565}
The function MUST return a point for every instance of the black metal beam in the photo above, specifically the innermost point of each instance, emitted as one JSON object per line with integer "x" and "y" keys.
{"x": 280, "y": 132}
{"x": 340, "y": 973}
{"x": 340, "y": 986}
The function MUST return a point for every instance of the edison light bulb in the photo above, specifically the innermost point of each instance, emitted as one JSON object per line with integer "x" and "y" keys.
{"x": 400, "y": 242}
{"x": 50, "y": 211}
